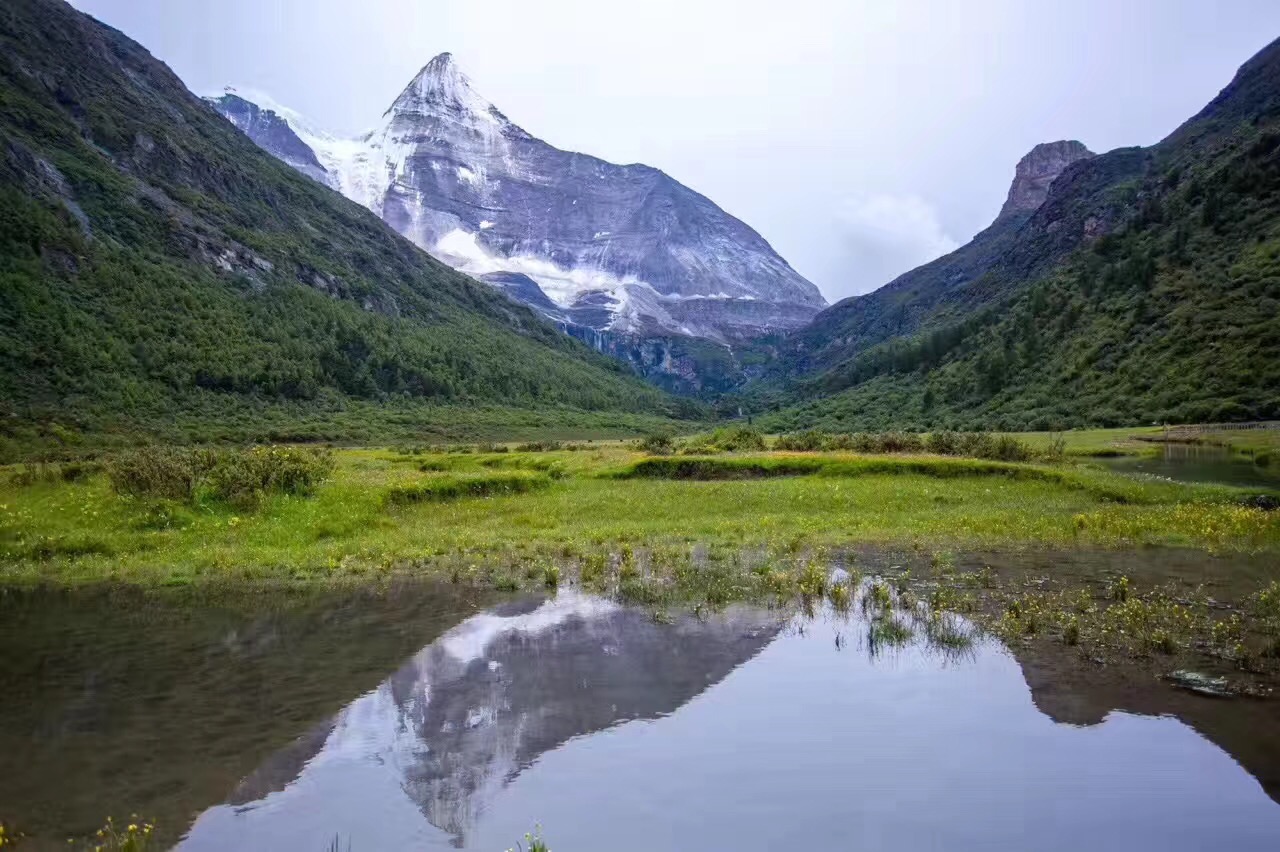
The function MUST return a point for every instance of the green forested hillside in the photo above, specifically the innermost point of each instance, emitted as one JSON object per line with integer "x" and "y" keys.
{"x": 1146, "y": 288}
{"x": 157, "y": 268}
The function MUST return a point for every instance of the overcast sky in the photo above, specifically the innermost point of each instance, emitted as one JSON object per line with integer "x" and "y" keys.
{"x": 861, "y": 139}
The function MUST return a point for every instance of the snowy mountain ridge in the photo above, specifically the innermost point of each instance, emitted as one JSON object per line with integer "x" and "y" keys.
{"x": 624, "y": 249}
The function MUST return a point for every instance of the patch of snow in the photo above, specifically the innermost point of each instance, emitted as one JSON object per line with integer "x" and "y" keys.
{"x": 485, "y": 224}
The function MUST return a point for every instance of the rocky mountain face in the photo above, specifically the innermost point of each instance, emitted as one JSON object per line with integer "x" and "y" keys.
{"x": 620, "y": 250}
{"x": 1037, "y": 171}
{"x": 273, "y": 133}
{"x": 951, "y": 284}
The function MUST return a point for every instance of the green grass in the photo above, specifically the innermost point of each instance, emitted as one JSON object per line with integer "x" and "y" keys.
{"x": 442, "y": 488}
{"x": 488, "y": 515}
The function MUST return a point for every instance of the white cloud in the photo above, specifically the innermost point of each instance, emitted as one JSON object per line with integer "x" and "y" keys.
{"x": 884, "y": 235}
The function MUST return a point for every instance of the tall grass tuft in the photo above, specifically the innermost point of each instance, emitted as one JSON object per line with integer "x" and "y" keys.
{"x": 445, "y": 488}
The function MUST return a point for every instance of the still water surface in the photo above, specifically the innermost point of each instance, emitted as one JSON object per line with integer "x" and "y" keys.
{"x": 1194, "y": 463}
{"x": 746, "y": 729}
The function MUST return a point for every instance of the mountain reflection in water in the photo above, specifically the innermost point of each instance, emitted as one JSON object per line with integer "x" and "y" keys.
{"x": 744, "y": 729}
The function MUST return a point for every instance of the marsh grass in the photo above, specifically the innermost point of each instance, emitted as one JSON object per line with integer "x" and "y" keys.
{"x": 1159, "y": 622}
{"x": 444, "y": 488}
{"x": 812, "y": 581}
{"x": 887, "y": 631}
{"x": 840, "y": 596}
{"x": 464, "y": 516}
{"x": 947, "y": 630}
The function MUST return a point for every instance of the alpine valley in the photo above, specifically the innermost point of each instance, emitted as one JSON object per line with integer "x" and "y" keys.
{"x": 433, "y": 487}
{"x": 164, "y": 274}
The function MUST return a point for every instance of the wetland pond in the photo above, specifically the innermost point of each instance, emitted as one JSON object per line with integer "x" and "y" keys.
{"x": 1196, "y": 463}
{"x": 417, "y": 717}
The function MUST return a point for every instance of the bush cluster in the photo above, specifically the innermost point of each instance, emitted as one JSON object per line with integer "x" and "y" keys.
{"x": 982, "y": 445}
{"x": 241, "y": 477}
{"x": 657, "y": 444}
{"x": 540, "y": 447}
{"x": 730, "y": 439}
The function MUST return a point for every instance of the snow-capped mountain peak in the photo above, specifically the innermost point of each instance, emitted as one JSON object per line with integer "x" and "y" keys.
{"x": 441, "y": 85}
{"x": 618, "y": 248}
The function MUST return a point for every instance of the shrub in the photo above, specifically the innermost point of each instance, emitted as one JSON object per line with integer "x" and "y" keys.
{"x": 538, "y": 447}
{"x": 241, "y": 477}
{"x": 166, "y": 472}
{"x": 840, "y": 442}
{"x": 1009, "y": 448}
{"x": 900, "y": 442}
{"x": 728, "y": 440}
{"x": 658, "y": 444}
{"x": 944, "y": 443}
{"x": 804, "y": 442}
{"x": 979, "y": 445}
{"x": 244, "y": 477}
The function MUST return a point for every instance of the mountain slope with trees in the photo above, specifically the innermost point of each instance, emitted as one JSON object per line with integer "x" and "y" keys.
{"x": 157, "y": 267}
{"x": 1146, "y": 287}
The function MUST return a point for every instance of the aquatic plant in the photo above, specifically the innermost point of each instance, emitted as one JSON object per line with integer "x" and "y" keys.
{"x": 888, "y": 631}
{"x": 813, "y": 580}
{"x": 1119, "y": 590}
{"x": 780, "y": 583}
{"x": 534, "y": 841}
{"x": 135, "y": 836}
{"x": 986, "y": 578}
{"x": 592, "y": 570}
{"x": 945, "y": 630}
{"x": 877, "y": 596}
{"x": 839, "y": 596}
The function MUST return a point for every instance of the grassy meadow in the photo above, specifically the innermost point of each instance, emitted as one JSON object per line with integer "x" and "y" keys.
{"x": 510, "y": 516}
